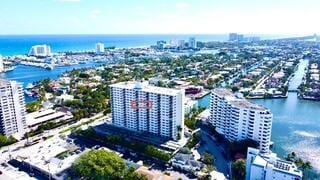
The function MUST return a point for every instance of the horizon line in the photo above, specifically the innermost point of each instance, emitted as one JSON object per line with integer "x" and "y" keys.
{"x": 75, "y": 34}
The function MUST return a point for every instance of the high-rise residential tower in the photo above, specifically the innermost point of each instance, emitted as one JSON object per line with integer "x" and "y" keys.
{"x": 238, "y": 119}
{"x": 138, "y": 106}
{"x": 12, "y": 108}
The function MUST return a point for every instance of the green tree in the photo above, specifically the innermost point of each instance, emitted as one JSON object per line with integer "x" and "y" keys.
{"x": 208, "y": 158}
{"x": 101, "y": 165}
{"x": 194, "y": 140}
{"x": 154, "y": 152}
{"x": 235, "y": 88}
{"x": 305, "y": 166}
{"x": 5, "y": 141}
{"x": 34, "y": 106}
{"x": 239, "y": 169}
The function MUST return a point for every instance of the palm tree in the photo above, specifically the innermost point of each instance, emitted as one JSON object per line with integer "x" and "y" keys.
{"x": 306, "y": 166}
{"x": 239, "y": 169}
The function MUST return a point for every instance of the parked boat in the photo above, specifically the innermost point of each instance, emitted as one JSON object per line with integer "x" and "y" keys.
{"x": 28, "y": 93}
{"x": 29, "y": 86}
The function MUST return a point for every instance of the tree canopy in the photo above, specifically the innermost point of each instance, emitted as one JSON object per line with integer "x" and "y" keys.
{"x": 5, "y": 141}
{"x": 239, "y": 169}
{"x": 101, "y": 165}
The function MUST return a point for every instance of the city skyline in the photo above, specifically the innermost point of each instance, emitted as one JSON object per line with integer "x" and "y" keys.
{"x": 165, "y": 17}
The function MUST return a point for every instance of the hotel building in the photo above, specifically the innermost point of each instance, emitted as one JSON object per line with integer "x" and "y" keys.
{"x": 99, "y": 48}
{"x": 40, "y": 50}
{"x": 267, "y": 166}
{"x": 238, "y": 119}
{"x": 12, "y": 109}
{"x": 137, "y": 106}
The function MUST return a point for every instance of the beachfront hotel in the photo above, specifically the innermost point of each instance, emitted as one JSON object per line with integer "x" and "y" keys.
{"x": 100, "y": 48}
{"x": 267, "y": 166}
{"x": 138, "y": 106}
{"x": 238, "y": 119}
{"x": 40, "y": 50}
{"x": 12, "y": 109}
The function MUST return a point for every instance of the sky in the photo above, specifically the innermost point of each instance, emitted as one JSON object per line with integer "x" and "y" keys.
{"x": 291, "y": 17}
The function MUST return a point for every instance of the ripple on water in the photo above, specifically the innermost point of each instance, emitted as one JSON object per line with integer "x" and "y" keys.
{"x": 307, "y": 147}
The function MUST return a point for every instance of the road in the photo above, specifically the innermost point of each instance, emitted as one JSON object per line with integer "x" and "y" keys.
{"x": 210, "y": 145}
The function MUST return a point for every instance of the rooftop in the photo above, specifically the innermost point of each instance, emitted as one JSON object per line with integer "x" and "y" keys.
{"x": 272, "y": 161}
{"x": 45, "y": 156}
{"x": 236, "y": 100}
{"x": 145, "y": 87}
{"x": 153, "y": 175}
{"x": 44, "y": 116}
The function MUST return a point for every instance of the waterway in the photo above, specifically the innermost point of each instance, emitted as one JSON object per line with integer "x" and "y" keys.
{"x": 296, "y": 122}
{"x": 297, "y": 78}
{"x": 30, "y": 74}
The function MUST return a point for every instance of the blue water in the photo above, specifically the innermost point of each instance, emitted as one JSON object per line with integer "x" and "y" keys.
{"x": 295, "y": 127}
{"x": 17, "y": 45}
{"x": 29, "y": 74}
{"x": 296, "y": 122}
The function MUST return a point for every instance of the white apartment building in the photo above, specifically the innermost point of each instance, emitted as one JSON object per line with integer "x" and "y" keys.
{"x": 267, "y": 166}
{"x": 238, "y": 119}
{"x": 40, "y": 50}
{"x": 99, "y": 48}
{"x": 140, "y": 107}
{"x": 12, "y": 109}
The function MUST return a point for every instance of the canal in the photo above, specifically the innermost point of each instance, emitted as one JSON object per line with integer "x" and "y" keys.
{"x": 298, "y": 76}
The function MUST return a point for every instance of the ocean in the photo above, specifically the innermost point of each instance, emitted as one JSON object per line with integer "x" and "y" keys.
{"x": 21, "y": 44}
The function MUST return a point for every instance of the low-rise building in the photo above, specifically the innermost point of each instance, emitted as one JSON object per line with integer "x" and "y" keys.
{"x": 64, "y": 98}
{"x": 267, "y": 166}
{"x": 39, "y": 117}
{"x": 186, "y": 162}
{"x": 50, "y": 158}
